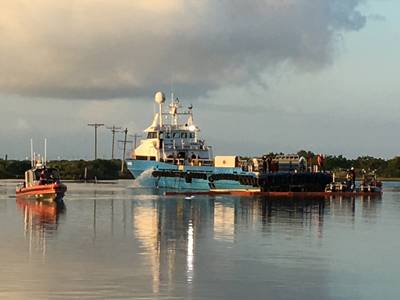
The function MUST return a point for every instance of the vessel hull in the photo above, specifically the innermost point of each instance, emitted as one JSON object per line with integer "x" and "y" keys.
{"x": 138, "y": 168}
{"x": 46, "y": 192}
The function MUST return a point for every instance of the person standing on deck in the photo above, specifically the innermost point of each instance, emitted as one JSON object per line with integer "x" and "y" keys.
{"x": 320, "y": 162}
{"x": 353, "y": 178}
{"x": 269, "y": 164}
{"x": 264, "y": 164}
{"x": 42, "y": 178}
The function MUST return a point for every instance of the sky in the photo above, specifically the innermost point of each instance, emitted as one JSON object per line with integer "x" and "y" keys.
{"x": 263, "y": 75}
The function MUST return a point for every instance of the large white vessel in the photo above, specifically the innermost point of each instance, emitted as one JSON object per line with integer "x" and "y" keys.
{"x": 173, "y": 155}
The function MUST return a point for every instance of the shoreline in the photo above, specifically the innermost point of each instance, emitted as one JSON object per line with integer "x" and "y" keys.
{"x": 384, "y": 179}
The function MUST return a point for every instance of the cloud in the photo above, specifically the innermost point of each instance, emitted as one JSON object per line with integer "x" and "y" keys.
{"x": 95, "y": 49}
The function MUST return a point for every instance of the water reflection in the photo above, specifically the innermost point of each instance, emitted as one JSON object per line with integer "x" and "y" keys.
{"x": 224, "y": 220}
{"x": 368, "y": 206}
{"x": 115, "y": 244}
{"x": 40, "y": 220}
{"x": 172, "y": 232}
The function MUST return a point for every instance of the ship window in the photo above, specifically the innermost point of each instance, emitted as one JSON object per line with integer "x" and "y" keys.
{"x": 140, "y": 157}
{"x": 152, "y": 135}
{"x": 175, "y": 135}
{"x": 183, "y": 135}
{"x": 167, "y": 135}
{"x": 191, "y": 135}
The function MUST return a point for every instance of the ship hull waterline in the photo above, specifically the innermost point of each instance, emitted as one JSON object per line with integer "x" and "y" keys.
{"x": 47, "y": 192}
{"x": 142, "y": 171}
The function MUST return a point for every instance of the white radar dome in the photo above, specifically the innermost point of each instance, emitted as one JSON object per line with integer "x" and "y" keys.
{"x": 159, "y": 97}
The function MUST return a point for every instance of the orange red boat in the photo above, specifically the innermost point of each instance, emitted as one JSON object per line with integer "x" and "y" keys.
{"x": 42, "y": 183}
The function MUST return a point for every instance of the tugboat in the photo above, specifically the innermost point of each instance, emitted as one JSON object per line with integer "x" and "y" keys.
{"x": 173, "y": 155}
{"x": 41, "y": 183}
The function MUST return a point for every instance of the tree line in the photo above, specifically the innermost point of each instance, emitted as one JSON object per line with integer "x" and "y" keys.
{"x": 386, "y": 168}
{"x": 69, "y": 169}
{"x": 110, "y": 169}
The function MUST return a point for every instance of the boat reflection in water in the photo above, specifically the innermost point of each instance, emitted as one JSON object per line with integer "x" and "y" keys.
{"x": 40, "y": 219}
{"x": 176, "y": 233}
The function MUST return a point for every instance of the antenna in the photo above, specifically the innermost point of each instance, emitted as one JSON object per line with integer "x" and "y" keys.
{"x": 45, "y": 151}
{"x": 32, "y": 158}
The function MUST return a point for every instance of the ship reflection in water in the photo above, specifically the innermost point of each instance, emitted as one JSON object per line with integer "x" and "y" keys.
{"x": 172, "y": 233}
{"x": 118, "y": 243}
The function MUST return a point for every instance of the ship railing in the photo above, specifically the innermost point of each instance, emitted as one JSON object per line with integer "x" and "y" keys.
{"x": 192, "y": 162}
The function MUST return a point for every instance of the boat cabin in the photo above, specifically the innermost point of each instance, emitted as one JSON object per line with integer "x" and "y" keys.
{"x": 41, "y": 176}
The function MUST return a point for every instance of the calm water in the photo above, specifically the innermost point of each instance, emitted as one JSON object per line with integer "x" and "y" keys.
{"x": 116, "y": 242}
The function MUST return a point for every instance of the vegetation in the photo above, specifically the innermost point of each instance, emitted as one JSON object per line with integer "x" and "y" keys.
{"x": 13, "y": 169}
{"x": 110, "y": 169}
{"x": 70, "y": 170}
{"x": 384, "y": 168}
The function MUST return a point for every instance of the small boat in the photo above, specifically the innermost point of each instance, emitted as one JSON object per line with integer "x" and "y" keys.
{"x": 368, "y": 185}
{"x": 42, "y": 183}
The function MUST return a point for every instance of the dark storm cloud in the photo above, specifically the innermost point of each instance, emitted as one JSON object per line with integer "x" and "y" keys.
{"x": 109, "y": 49}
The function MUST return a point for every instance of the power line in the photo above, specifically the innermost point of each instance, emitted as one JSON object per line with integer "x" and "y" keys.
{"x": 114, "y": 129}
{"x": 95, "y": 125}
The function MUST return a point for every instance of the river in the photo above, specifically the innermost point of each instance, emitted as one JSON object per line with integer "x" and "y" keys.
{"x": 115, "y": 241}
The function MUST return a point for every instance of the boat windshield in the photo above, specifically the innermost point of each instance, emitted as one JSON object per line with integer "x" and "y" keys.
{"x": 47, "y": 175}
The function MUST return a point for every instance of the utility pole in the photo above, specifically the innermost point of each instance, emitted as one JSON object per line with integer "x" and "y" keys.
{"x": 114, "y": 129}
{"x": 125, "y": 141}
{"x": 95, "y": 125}
{"x": 135, "y": 137}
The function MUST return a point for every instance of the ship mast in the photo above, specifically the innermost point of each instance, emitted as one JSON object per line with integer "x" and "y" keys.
{"x": 160, "y": 99}
{"x": 32, "y": 155}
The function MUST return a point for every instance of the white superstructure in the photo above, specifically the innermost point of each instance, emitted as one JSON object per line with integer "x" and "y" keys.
{"x": 173, "y": 137}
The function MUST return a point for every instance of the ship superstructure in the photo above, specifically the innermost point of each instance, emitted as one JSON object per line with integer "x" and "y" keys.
{"x": 173, "y": 155}
{"x": 173, "y": 137}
